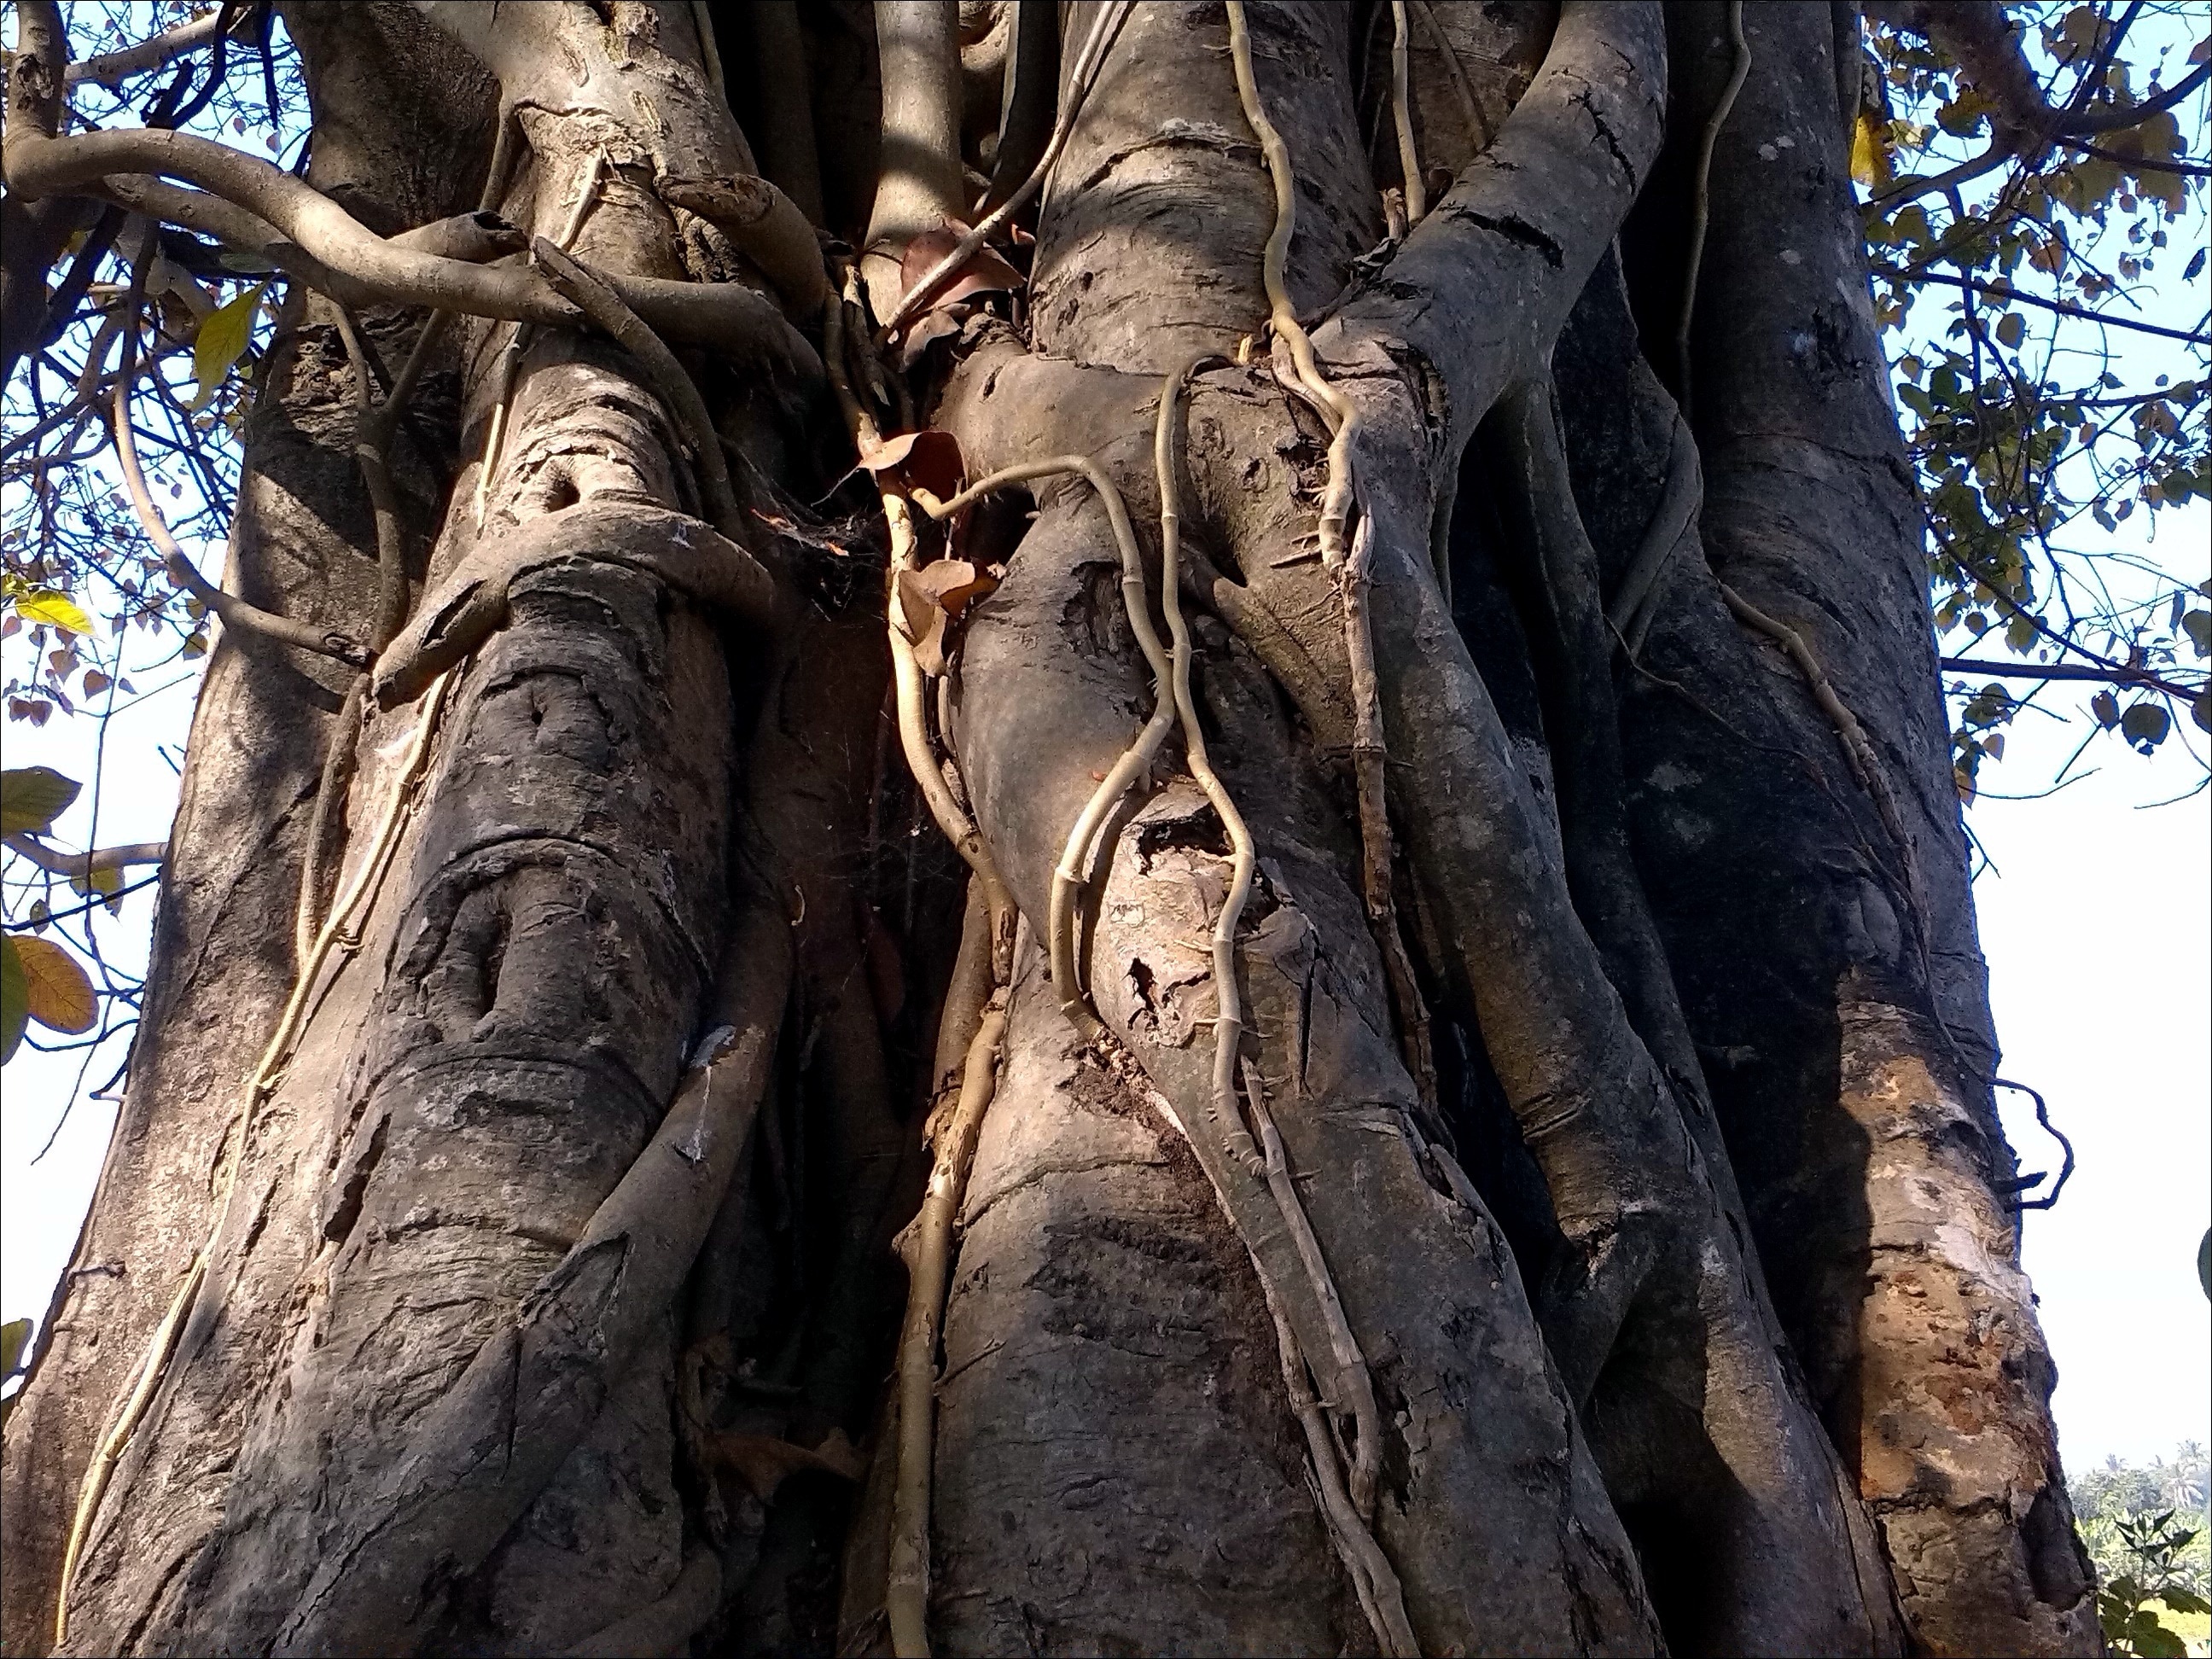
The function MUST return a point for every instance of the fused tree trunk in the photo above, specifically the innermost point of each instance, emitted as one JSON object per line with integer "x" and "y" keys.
{"x": 1489, "y": 1149}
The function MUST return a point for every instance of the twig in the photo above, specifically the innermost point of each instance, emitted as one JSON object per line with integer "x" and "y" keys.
{"x": 2119, "y": 675}
{"x": 2066, "y": 1147}
{"x": 1701, "y": 200}
{"x": 82, "y": 867}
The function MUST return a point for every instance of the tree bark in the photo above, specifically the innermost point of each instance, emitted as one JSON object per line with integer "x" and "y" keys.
{"x": 1575, "y": 1224}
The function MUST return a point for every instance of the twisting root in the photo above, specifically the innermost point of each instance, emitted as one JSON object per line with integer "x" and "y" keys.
{"x": 1370, "y": 1571}
{"x": 1409, "y": 158}
{"x": 929, "y": 1254}
{"x": 336, "y": 930}
{"x": 240, "y": 615}
{"x": 1336, "y": 408}
{"x": 1636, "y": 600}
{"x": 1701, "y": 200}
{"x": 1229, "y": 1012}
{"x": 1067, "y": 877}
{"x": 910, "y": 684}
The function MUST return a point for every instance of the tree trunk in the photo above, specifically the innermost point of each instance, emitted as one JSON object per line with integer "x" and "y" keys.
{"x": 1576, "y": 1221}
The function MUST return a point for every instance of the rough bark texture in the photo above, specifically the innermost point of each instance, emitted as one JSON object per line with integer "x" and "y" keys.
{"x": 554, "y": 1304}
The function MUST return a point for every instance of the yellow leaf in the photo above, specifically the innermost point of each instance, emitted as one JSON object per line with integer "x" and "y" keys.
{"x": 222, "y": 341}
{"x": 32, "y": 798}
{"x": 15, "y": 998}
{"x": 57, "y": 993}
{"x": 45, "y": 605}
{"x": 1869, "y": 152}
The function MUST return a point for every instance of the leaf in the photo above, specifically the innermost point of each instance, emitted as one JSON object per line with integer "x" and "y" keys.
{"x": 1869, "y": 153}
{"x": 57, "y": 609}
{"x": 763, "y": 1462}
{"x": 32, "y": 798}
{"x": 928, "y": 459}
{"x": 15, "y": 998}
{"x": 2106, "y": 708}
{"x": 2179, "y": 1598}
{"x": 2145, "y": 724}
{"x": 14, "y": 1336}
{"x": 985, "y": 271}
{"x": 2012, "y": 328}
{"x": 931, "y": 601}
{"x": 57, "y": 992}
{"x": 2198, "y": 625}
{"x": 222, "y": 341}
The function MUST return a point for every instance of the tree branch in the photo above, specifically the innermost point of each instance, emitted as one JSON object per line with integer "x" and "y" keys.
{"x": 82, "y": 867}
{"x": 111, "y": 69}
{"x": 1482, "y": 284}
{"x": 2063, "y": 308}
{"x": 2119, "y": 674}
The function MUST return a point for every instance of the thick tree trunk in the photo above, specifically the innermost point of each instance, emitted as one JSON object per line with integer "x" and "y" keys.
{"x": 1572, "y": 1225}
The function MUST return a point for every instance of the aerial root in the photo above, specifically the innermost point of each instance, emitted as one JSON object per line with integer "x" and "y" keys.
{"x": 928, "y": 1247}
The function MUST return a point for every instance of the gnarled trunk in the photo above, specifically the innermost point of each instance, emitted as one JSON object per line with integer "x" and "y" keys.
{"x": 1559, "y": 1211}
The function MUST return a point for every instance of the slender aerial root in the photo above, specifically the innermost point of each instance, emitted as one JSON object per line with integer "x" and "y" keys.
{"x": 928, "y": 1250}
{"x": 1347, "y": 563}
{"x": 339, "y": 930}
{"x": 1338, "y": 411}
{"x": 1401, "y": 107}
{"x": 1068, "y": 878}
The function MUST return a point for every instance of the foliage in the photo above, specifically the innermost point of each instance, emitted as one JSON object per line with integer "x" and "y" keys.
{"x": 2042, "y": 404}
{"x": 2143, "y": 1525}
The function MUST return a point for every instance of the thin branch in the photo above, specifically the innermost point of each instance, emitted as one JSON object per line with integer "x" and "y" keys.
{"x": 2062, "y": 307}
{"x": 2118, "y": 674}
{"x": 111, "y": 69}
{"x": 2140, "y": 165}
{"x": 82, "y": 867}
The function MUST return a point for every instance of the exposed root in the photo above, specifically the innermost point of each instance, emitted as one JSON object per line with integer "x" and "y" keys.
{"x": 510, "y": 359}
{"x": 1865, "y": 764}
{"x": 1228, "y": 1012}
{"x": 337, "y": 930}
{"x": 1380, "y": 1597}
{"x": 1068, "y": 878}
{"x": 1344, "y": 1347}
{"x": 1409, "y": 156}
{"x": 1347, "y": 565}
{"x": 928, "y": 1247}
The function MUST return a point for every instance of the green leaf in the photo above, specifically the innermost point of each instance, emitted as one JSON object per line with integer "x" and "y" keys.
{"x": 2145, "y": 724}
{"x": 222, "y": 341}
{"x": 14, "y": 1336}
{"x": 14, "y": 998}
{"x": 45, "y": 605}
{"x": 32, "y": 798}
{"x": 2012, "y": 328}
{"x": 2180, "y": 1600}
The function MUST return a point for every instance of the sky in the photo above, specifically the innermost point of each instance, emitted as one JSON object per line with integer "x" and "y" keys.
{"x": 2095, "y": 912}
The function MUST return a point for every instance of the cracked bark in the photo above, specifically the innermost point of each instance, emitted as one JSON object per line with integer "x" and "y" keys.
{"x": 1670, "y": 1347}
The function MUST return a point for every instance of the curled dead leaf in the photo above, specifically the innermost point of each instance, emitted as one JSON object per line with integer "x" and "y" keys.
{"x": 764, "y": 1462}
{"x": 928, "y": 459}
{"x": 931, "y": 602}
